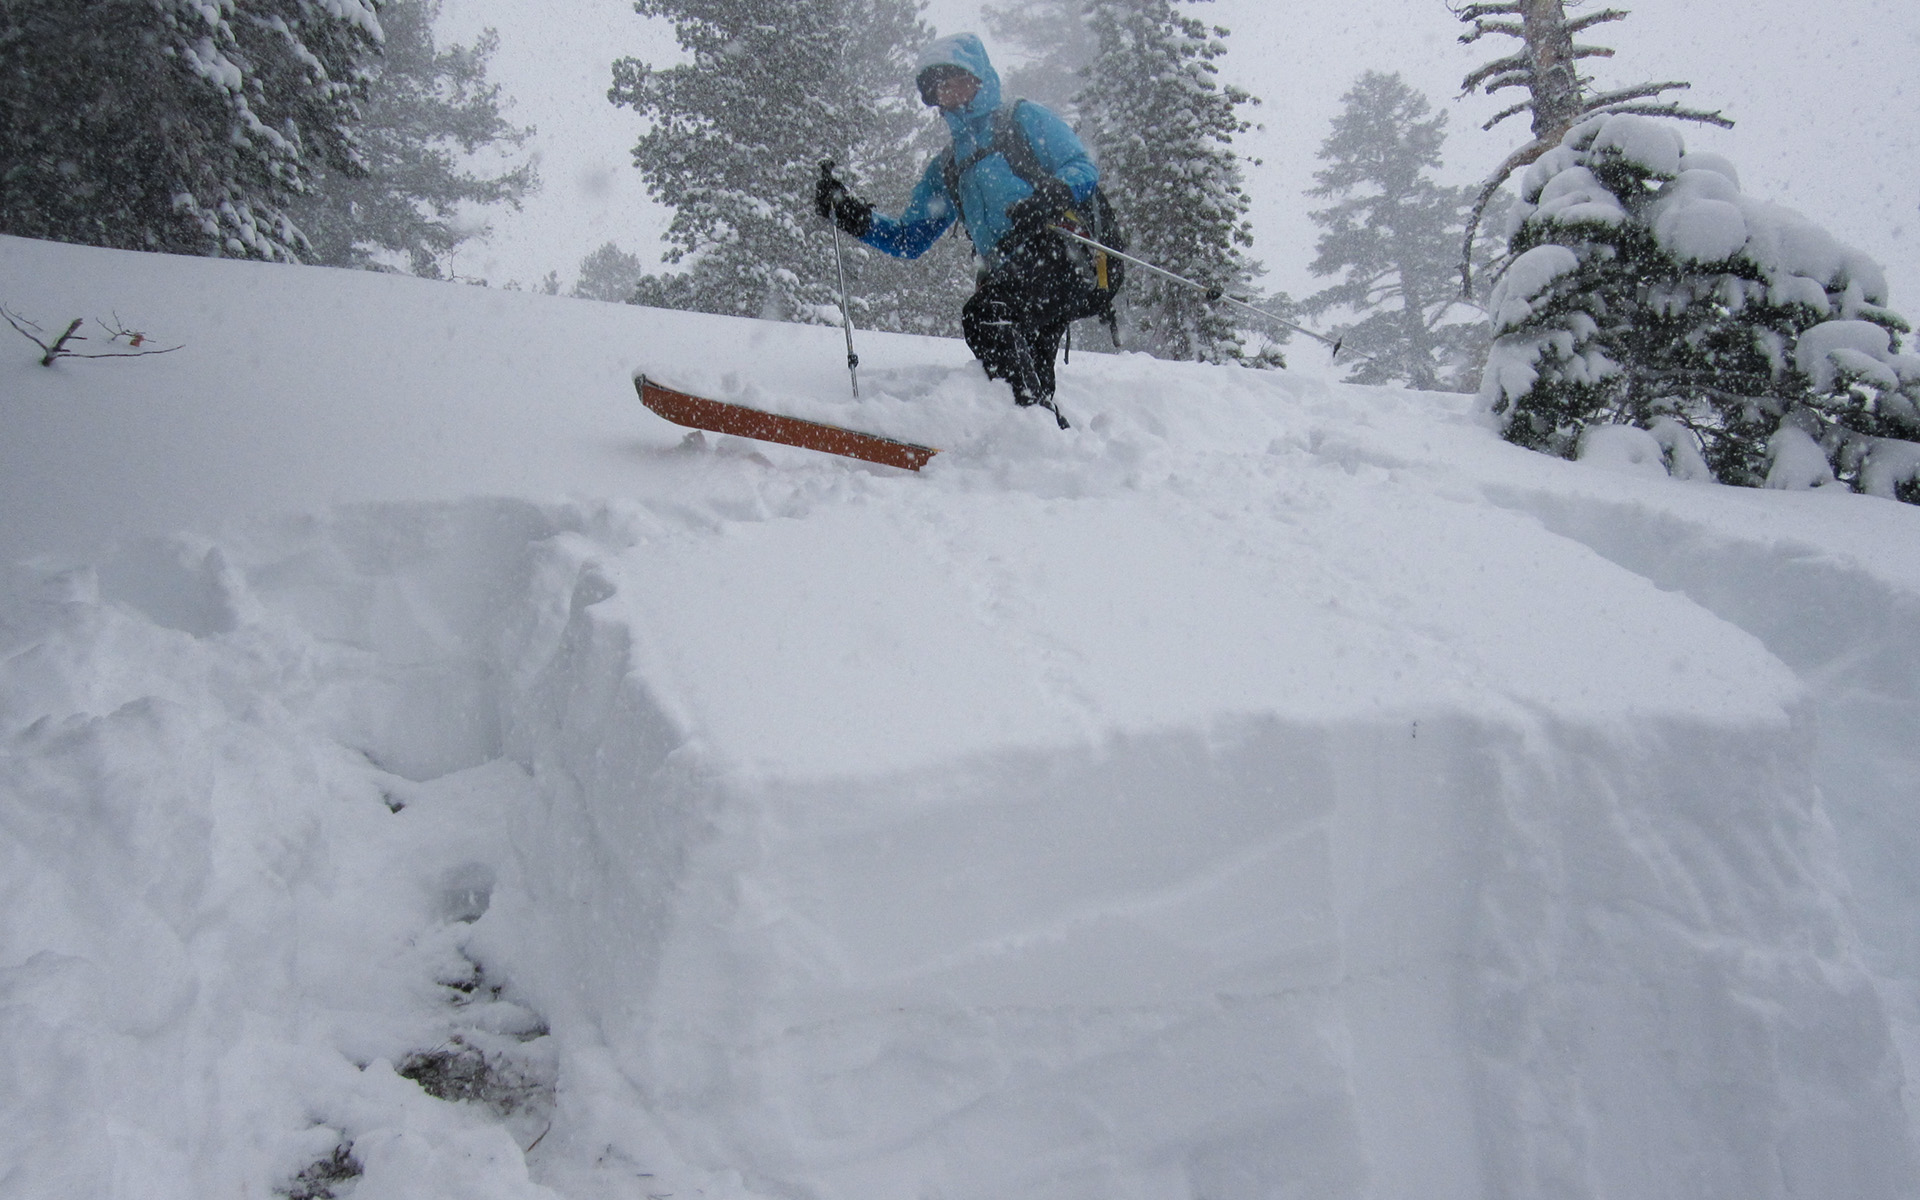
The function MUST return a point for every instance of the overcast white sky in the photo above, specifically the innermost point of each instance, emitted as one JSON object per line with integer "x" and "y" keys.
{"x": 1827, "y": 96}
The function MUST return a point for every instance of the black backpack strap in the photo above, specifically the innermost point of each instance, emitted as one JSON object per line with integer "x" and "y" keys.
{"x": 1009, "y": 142}
{"x": 951, "y": 171}
{"x": 950, "y": 175}
{"x": 1010, "y": 139}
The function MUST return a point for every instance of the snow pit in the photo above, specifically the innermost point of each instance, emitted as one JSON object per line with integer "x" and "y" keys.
{"x": 1834, "y": 605}
{"x": 1275, "y": 788}
{"x": 1345, "y": 955}
{"x": 254, "y": 822}
{"x": 1230, "y": 960}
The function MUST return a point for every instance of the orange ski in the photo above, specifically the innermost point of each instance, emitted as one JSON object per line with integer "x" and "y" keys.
{"x": 741, "y": 421}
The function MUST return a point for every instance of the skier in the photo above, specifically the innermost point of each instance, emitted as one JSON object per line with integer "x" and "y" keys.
{"x": 1031, "y": 287}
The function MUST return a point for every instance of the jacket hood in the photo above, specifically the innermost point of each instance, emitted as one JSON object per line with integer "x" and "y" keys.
{"x": 969, "y": 53}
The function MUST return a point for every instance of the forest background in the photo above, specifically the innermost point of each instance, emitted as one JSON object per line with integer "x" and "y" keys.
{"x": 1826, "y": 100}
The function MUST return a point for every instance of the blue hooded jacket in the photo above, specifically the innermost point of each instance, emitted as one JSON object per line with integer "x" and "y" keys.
{"x": 989, "y": 186}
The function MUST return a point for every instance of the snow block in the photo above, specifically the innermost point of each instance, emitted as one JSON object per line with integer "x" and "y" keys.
{"x": 1436, "y": 951}
{"x": 1444, "y": 949}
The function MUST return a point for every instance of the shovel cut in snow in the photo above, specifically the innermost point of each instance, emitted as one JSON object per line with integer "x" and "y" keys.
{"x": 719, "y": 416}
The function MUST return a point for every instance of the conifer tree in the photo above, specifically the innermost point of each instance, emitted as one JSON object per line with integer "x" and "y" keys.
{"x": 428, "y": 111}
{"x": 1647, "y": 290}
{"x": 1392, "y": 233}
{"x": 1161, "y": 127}
{"x": 177, "y": 125}
{"x": 610, "y": 274}
{"x": 735, "y": 137}
{"x": 1547, "y": 67}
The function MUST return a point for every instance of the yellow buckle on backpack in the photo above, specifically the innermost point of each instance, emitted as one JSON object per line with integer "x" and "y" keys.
{"x": 1072, "y": 218}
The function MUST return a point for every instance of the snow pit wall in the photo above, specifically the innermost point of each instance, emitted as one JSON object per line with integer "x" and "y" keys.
{"x": 1846, "y": 620}
{"x": 1430, "y": 954}
{"x": 240, "y": 783}
{"x": 1367, "y": 961}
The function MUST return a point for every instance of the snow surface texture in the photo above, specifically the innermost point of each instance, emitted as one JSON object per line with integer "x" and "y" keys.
{"x": 1268, "y": 788}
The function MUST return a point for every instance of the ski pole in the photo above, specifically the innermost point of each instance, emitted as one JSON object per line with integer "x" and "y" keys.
{"x": 846, "y": 309}
{"x": 1213, "y": 293}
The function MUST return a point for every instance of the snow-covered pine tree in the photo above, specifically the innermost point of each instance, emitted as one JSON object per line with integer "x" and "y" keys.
{"x": 428, "y": 112}
{"x": 1161, "y": 126}
{"x": 1392, "y": 232}
{"x": 1647, "y": 290}
{"x": 176, "y": 125}
{"x": 735, "y": 138}
{"x": 1547, "y": 66}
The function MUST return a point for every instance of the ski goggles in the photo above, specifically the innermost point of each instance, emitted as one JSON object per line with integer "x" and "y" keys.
{"x": 929, "y": 81}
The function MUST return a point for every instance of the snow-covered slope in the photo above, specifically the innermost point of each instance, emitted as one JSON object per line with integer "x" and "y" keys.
{"x": 1268, "y": 788}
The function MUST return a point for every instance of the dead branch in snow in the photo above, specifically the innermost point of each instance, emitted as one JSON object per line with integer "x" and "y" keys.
{"x": 60, "y": 347}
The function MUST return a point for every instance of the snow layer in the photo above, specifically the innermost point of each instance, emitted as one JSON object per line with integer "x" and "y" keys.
{"x": 1268, "y": 788}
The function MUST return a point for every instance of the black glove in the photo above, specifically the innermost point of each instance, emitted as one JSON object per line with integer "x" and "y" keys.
{"x": 835, "y": 203}
{"x": 1051, "y": 198}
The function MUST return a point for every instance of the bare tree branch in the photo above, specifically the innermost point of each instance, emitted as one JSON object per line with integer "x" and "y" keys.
{"x": 1595, "y": 18}
{"x": 1504, "y": 113}
{"x": 1473, "y": 12}
{"x": 53, "y": 350}
{"x": 1638, "y": 91}
{"x": 1519, "y": 79}
{"x": 1483, "y": 28}
{"x": 1514, "y": 63}
{"x": 57, "y": 349}
{"x": 1524, "y": 156}
{"x": 1671, "y": 110}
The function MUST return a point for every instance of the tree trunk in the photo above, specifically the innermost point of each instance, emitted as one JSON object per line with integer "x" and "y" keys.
{"x": 1413, "y": 321}
{"x": 1556, "y": 82}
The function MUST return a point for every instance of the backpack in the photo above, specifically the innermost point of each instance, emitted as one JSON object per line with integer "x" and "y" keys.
{"x": 1101, "y": 274}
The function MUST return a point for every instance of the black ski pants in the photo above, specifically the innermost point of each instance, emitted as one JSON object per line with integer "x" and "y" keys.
{"x": 1014, "y": 322}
